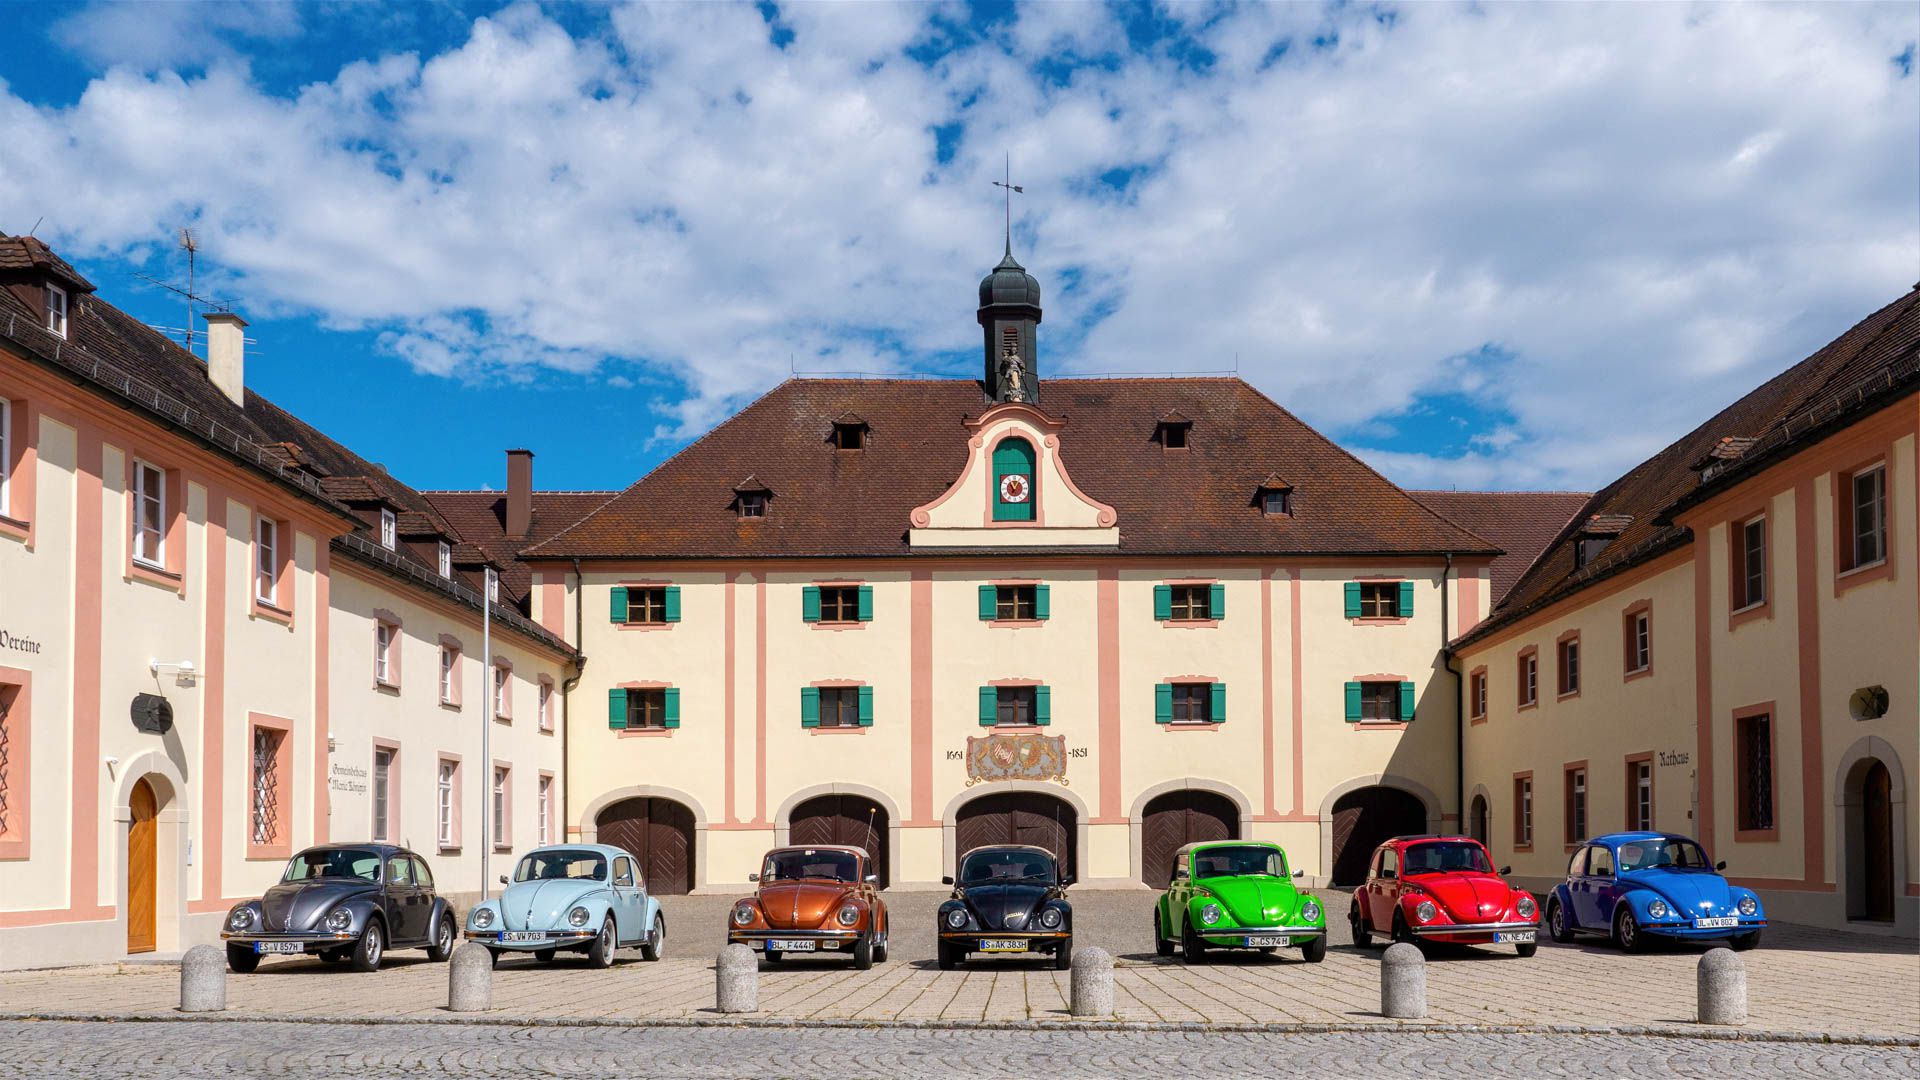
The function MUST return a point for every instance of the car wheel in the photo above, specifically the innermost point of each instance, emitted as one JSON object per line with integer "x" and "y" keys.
{"x": 331, "y": 956}
{"x": 242, "y": 959}
{"x": 950, "y": 956}
{"x": 442, "y": 948}
{"x": 1524, "y": 951}
{"x": 880, "y": 949}
{"x": 546, "y": 956}
{"x": 1626, "y": 931}
{"x": 1315, "y": 950}
{"x": 600, "y": 953}
{"x": 1162, "y": 944}
{"x": 1557, "y": 927}
{"x": 1743, "y": 942}
{"x": 1401, "y": 931}
{"x": 656, "y": 944}
{"x": 1063, "y": 956}
{"x": 1362, "y": 936}
{"x": 1192, "y": 949}
{"x": 372, "y": 947}
{"x": 863, "y": 953}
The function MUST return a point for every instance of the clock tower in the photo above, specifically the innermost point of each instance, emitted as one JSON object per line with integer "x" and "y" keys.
{"x": 1009, "y": 313}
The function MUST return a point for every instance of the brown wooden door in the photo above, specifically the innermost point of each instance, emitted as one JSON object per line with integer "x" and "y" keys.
{"x": 844, "y": 819}
{"x": 1179, "y": 818}
{"x": 659, "y": 832}
{"x": 1876, "y": 797}
{"x": 143, "y": 868}
{"x": 1362, "y": 819}
{"x": 1019, "y": 817}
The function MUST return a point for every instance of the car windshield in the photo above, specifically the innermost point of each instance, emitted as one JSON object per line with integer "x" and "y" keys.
{"x": 1663, "y": 855}
{"x": 337, "y": 864}
{"x": 562, "y": 865}
{"x": 1445, "y": 857}
{"x": 987, "y": 867}
{"x": 801, "y": 863}
{"x": 1233, "y": 861}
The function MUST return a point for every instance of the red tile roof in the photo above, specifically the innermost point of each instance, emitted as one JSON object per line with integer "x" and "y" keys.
{"x": 1522, "y": 523}
{"x": 481, "y": 517}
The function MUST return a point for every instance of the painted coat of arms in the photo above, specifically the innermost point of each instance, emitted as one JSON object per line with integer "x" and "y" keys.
{"x": 1017, "y": 757}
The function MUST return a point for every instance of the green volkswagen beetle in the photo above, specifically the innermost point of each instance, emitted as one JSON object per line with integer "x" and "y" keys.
{"x": 1236, "y": 894}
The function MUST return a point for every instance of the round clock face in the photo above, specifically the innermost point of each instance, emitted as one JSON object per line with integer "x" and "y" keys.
{"x": 1014, "y": 488}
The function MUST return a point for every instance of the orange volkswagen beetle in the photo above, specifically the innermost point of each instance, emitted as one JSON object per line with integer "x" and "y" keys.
{"x": 813, "y": 900}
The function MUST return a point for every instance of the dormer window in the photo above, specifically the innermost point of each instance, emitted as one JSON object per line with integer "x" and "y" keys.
{"x": 1593, "y": 538}
{"x": 389, "y": 529}
{"x": 750, "y": 498}
{"x": 1588, "y": 549}
{"x": 1174, "y": 434}
{"x": 444, "y": 561}
{"x": 849, "y": 435}
{"x": 1274, "y": 497}
{"x": 57, "y": 309}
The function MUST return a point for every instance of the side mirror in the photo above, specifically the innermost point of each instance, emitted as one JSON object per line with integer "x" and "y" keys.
{"x": 1299, "y": 873}
{"x": 753, "y": 877}
{"x": 1505, "y": 870}
{"x": 871, "y": 878}
{"x": 1721, "y": 865}
{"x": 946, "y": 880}
{"x": 503, "y": 879}
{"x": 1066, "y": 880}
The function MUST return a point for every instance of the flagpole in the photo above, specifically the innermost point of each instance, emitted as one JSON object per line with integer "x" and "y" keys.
{"x": 486, "y": 725}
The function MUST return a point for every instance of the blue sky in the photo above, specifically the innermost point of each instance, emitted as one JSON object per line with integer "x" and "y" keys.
{"x": 1514, "y": 246}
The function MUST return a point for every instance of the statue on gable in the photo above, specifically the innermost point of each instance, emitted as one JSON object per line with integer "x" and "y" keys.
{"x": 1013, "y": 375}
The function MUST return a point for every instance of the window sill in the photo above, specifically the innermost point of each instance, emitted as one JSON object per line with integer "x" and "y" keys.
{"x": 1566, "y": 695}
{"x": 843, "y": 624}
{"x": 384, "y": 686}
{"x": 1878, "y": 570}
{"x": 1379, "y": 620}
{"x": 1379, "y": 725}
{"x": 1756, "y": 836}
{"x": 450, "y": 706}
{"x": 1190, "y": 624}
{"x": 1014, "y": 624}
{"x": 1526, "y": 705}
{"x": 546, "y": 729}
{"x": 1013, "y": 729}
{"x": 1472, "y": 720}
{"x": 449, "y": 849}
{"x": 646, "y": 625}
{"x": 1523, "y": 849}
{"x": 1192, "y": 725}
{"x": 153, "y": 575}
{"x": 264, "y": 610}
{"x": 1741, "y": 616}
{"x": 1637, "y": 673}
{"x": 256, "y": 852}
{"x": 647, "y": 733}
{"x": 855, "y": 730}
{"x": 14, "y": 527}
{"x": 503, "y": 849}
{"x": 498, "y": 719}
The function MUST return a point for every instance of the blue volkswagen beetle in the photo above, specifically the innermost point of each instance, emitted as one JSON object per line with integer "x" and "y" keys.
{"x": 1632, "y": 885}
{"x": 579, "y": 897}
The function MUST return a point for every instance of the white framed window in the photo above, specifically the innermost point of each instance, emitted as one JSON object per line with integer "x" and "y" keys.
{"x": 449, "y": 660}
{"x": 1868, "y": 527}
{"x": 389, "y": 532}
{"x": 57, "y": 309}
{"x": 383, "y": 635}
{"x": 546, "y": 705}
{"x": 444, "y": 801}
{"x": 493, "y": 586}
{"x": 149, "y": 515}
{"x": 266, "y": 558}
{"x": 546, "y": 810}
{"x": 6, "y": 457}
{"x": 382, "y": 776}
{"x": 445, "y": 562}
{"x": 502, "y": 698}
{"x": 500, "y": 838}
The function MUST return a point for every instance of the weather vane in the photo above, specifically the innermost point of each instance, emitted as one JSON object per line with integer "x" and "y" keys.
{"x": 1011, "y": 189}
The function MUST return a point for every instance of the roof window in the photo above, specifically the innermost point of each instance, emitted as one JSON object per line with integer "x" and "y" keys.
{"x": 849, "y": 433}
{"x": 1173, "y": 432}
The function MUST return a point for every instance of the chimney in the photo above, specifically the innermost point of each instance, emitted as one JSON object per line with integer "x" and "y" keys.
{"x": 519, "y": 493}
{"x": 227, "y": 354}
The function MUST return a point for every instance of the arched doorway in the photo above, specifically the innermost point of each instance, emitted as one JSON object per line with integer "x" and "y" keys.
{"x": 1178, "y": 818}
{"x": 659, "y": 832}
{"x": 143, "y": 869}
{"x": 1362, "y": 819}
{"x": 1479, "y": 823}
{"x": 1019, "y": 817}
{"x": 844, "y": 819}
{"x": 1874, "y": 855}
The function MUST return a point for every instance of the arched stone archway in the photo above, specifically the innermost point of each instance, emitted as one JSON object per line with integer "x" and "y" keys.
{"x": 1035, "y": 815}
{"x": 660, "y": 832}
{"x": 1232, "y": 808}
{"x": 1427, "y": 820}
{"x": 845, "y": 818}
{"x": 1870, "y": 793}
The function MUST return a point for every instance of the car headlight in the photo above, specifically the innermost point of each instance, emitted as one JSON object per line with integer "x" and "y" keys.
{"x": 482, "y": 918}
{"x": 1426, "y": 911}
{"x": 1747, "y": 905}
{"x": 1658, "y": 909}
{"x": 241, "y": 919}
{"x": 1210, "y": 914}
{"x": 1310, "y": 911}
{"x": 339, "y": 919}
{"x": 578, "y": 916}
{"x": 956, "y": 918}
{"x": 743, "y": 915}
{"x": 1525, "y": 906}
{"x": 1050, "y": 918}
{"x": 849, "y": 915}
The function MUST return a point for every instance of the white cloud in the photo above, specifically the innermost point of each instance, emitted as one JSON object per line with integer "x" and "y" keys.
{"x": 1650, "y": 208}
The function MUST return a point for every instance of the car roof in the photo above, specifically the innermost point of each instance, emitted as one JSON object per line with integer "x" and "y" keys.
{"x": 1185, "y": 848}
{"x": 1613, "y": 839}
{"x": 382, "y": 847}
{"x": 1030, "y": 848}
{"x": 849, "y": 848}
{"x": 609, "y": 850}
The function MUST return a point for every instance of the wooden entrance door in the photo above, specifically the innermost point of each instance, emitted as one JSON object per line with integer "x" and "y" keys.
{"x": 1019, "y": 817}
{"x": 659, "y": 832}
{"x": 143, "y": 869}
{"x": 1876, "y": 798}
{"x": 1179, "y": 818}
{"x": 844, "y": 819}
{"x": 1364, "y": 818}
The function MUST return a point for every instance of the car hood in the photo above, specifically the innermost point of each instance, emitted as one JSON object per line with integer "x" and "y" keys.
{"x": 801, "y": 905}
{"x": 1692, "y": 893}
{"x": 300, "y": 905}
{"x": 1006, "y": 906}
{"x": 1256, "y": 900}
{"x": 543, "y": 905}
{"x": 1467, "y": 896}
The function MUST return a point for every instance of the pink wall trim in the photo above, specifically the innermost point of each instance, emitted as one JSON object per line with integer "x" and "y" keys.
{"x": 1017, "y": 682}
{"x": 1380, "y": 677}
{"x": 322, "y": 703}
{"x": 644, "y": 684}
{"x": 1299, "y": 697}
{"x": 1703, "y": 686}
{"x": 921, "y": 516}
{"x": 553, "y": 605}
{"x": 1812, "y": 764}
{"x": 88, "y": 614}
{"x": 1266, "y": 692}
{"x": 837, "y": 684}
{"x": 1171, "y": 679}
{"x": 920, "y": 698}
{"x": 1467, "y": 597}
{"x": 17, "y": 841}
{"x": 760, "y": 700}
{"x": 1105, "y": 516}
{"x": 57, "y": 916}
{"x": 213, "y": 702}
{"x": 1107, "y": 616}
{"x": 729, "y": 668}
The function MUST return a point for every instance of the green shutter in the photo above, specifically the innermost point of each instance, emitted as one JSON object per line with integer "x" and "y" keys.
{"x": 989, "y": 706}
{"x": 1217, "y": 600}
{"x": 1163, "y": 602}
{"x": 673, "y": 706}
{"x": 1406, "y": 701}
{"x": 619, "y": 607}
{"x": 1353, "y": 703}
{"x": 989, "y": 601}
{"x": 617, "y": 709}
{"x": 1406, "y": 599}
{"x": 1043, "y": 705}
{"x": 1353, "y": 601}
{"x": 810, "y": 604}
{"x": 809, "y": 706}
{"x": 866, "y": 603}
{"x": 866, "y": 706}
{"x": 1219, "y": 703}
{"x": 1163, "y": 703}
{"x": 1041, "y": 608}
{"x": 673, "y": 603}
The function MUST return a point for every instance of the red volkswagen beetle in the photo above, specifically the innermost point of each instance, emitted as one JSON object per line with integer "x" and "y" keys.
{"x": 1442, "y": 888}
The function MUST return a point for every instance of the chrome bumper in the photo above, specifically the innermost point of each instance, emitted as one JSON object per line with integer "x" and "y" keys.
{"x": 298, "y": 938}
{"x": 818, "y": 935}
{"x": 1473, "y": 928}
{"x": 1245, "y": 931}
{"x": 554, "y": 939}
{"x": 1044, "y": 935}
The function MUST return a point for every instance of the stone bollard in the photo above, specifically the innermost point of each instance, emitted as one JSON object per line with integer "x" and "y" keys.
{"x": 1722, "y": 984}
{"x": 1092, "y": 990}
{"x": 736, "y": 980}
{"x": 1403, "y": 983}
{"x": 470, "y": 979}
{"x": 203, "y": 979}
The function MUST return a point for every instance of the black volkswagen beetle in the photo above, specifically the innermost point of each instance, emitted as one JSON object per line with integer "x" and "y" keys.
{"x": 343, "y": 902}
{"x": 1009, "y": 899}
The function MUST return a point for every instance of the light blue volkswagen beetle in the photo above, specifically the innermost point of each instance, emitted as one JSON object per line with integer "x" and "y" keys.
{"x": 579, "y": 897}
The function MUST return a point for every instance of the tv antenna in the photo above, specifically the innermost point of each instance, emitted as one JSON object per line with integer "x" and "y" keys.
{"x": 189, "y": 242}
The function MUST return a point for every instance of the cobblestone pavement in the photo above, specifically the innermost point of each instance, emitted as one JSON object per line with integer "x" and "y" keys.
{"x": 1801, "y": 980}
{"x": 51, "y": 1049}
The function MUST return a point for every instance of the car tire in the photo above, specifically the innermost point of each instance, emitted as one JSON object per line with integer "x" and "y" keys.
{"x": 1626, "y": 931}
{"x": 880, "y": 948}
{"x": 655, "y": 946}
{"x": 600, "y": 952}
{"x": 1743, "y": 942}
{"x": 441, "y": 950}
{"x": 371, "y": 948}
{"x": 331, "y": 956}
{"x": 1357, "y": 923}
{"x": 1315, "y": 950}
{"x": 1524, "y": 951}
{"x": 1162, "y": 944}
{"x": 1192, "y": 949}
{"x": 1063, "y": 956}
{"x": 863, "y": 953}
{"x": 242, "y": 959}
{"x": 1557, "y": 927}
{"x": 1402, "y": 933}
{"x": 950, "y": 956}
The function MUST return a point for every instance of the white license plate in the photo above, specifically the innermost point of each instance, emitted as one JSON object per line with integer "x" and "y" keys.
{"x": 260, "y": 947}
{"x": 792, "y": 946}
{"x": 1515, "y": 937}
{"x": 1267, "y": 941}
{"x": 523, "y": 935}
{"x": 1002, "y": 945}
{"x": 1721, "y": 923}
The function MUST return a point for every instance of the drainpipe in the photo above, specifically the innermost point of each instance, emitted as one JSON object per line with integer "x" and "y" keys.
{"x": 1459, "y": 705}
{"x": 566, "y": 707}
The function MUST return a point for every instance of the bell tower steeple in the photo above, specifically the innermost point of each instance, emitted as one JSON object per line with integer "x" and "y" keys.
{"x": 1009, "y": 314}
